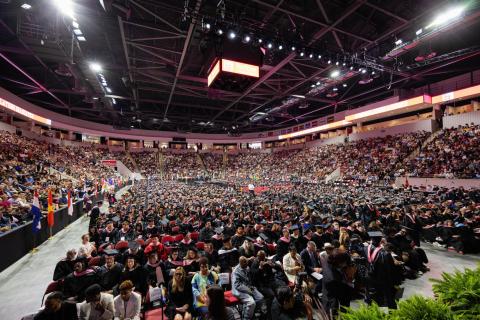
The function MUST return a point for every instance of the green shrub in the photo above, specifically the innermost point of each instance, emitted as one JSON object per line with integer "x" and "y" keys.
{"x": 365, "y": 312}
{"x": 420, "y": 308}
{"x": 461, "y": 291}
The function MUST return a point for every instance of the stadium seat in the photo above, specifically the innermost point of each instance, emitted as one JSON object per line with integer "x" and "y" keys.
{"x": 168, "y": 239}
{"x": 194, "y": 236}
{"x": 121, "y": 245}
{"x": 178, "y": 237}
{"x": 94, "y": 261}
{"x": 53, "y": 286}
{"x": 200, "y": 245}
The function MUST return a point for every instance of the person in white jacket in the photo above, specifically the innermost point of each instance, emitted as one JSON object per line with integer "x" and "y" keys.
{"x": 98, "y": 305}
{"x": 127, "y": 303}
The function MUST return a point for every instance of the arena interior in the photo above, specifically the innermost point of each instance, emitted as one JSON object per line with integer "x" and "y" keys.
{"x": 239, "y": 159}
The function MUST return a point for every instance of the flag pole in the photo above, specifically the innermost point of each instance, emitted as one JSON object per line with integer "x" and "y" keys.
{"x": 34, "y": 249}
{"x": 51, "y": 236}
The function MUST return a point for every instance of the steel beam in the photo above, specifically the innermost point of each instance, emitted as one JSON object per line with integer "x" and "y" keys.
{"x": 388, "y": 13}
{"x": 156, "y": 16}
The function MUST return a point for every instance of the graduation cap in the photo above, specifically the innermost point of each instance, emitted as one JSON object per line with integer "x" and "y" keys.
{"x": 294, "y": 227}
{"x": 133, "y": 245}
{"x": 264, "y": 236}
{"x": 326, "y": 225}
{"x": 218, "y": 230}
{"x": 249, "y": 239}
{"x": 115, "y": 219}
{"x": 375, "y": 234}
{"x": 110, "y": 252}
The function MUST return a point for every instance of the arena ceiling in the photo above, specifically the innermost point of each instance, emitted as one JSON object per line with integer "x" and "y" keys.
{"x": 154, "y": 57}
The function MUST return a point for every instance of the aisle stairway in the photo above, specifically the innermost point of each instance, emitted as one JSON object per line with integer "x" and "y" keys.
{"x": 132, "y": 160}
{"x": 430, "y": 138}
{"x": 202, "y": 163}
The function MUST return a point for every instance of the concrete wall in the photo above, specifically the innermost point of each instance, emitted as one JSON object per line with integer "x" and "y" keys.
{"x": 7, "y": 127}
{"x": 441, "y": 182}
{"x": 425, "y": 125}
{"x": 461, "y": 119}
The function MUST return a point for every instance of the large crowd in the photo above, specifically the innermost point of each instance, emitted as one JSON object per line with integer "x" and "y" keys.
{"x": 210, "y": 249}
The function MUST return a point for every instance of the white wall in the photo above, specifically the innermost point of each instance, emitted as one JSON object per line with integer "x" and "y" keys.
{"x": 461, "y": 119}
{"x": 440, "y": 182}
{"x": 322, "y": 142}
{"x": 7, "y": 127}
{"x": 425, "y": 125}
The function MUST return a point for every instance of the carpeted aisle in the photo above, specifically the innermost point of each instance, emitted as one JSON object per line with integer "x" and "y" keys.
{"x": 23, "y": 284}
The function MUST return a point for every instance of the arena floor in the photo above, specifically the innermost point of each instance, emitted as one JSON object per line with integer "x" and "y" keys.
{"x": 22, "y": 285}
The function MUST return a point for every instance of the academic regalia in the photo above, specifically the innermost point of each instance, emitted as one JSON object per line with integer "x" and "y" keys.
{"x": 237, "y": 240}
{"x": 212, "y": 258}
{"x": 413, "y": 228}
{"x": 111, "y": 236}
{"x": 282, "y": 248}
{"x": 126, "y": 236}
{"x": 75, "y": 284}
{"x": 138, "y": 276}
{"x": 228, "y": 259}
{"x": 109, "y": 278}
{"x": 68, "y": 310}
{"x": 382, "y": 280}
{"x": 94, "y": 215}
{"x": 62, "y": 269}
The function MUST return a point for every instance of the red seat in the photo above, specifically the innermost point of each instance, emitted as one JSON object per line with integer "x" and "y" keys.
{"x": 230, "y": 299}
{"x": 121, "y": 245}
{"x": 141, "y": 242}
{"x": 94, "y": 261}
{"x": 155, "y": 314}
{"x": 52, "y": 286}
{"x": 178, "y": 237}
{"x": 194, "y": 236}
{"x": 167, "y": 238}
{"x": 271, "y": 248}
{"x": 200, "y": 245}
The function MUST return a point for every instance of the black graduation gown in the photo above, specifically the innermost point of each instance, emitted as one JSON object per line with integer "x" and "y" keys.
{"x": 282, "y": 249}
{"x": 68, "y": 311}
{"x": 109, "y": 278}
{"x": 237, "y": 240}
{"x": 63, "y": 269}
{"x": 94, "y": 214}
{"x": 138, "y": 277}
{"x": 382, "y": 279}
{"x": 227, "y": 259}
{"x": 74, "y": 286}
{"x": 111, "y": 237}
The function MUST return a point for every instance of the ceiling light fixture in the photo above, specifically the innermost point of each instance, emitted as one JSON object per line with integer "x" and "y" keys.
{"x": 447, "y": 16}
{"x": 81, "y": 38}
{"x": 26, "y": 6}
{"x": 232, "y": 35}
{"x": 335, "y": 73}
{"x": 95, "y": 67}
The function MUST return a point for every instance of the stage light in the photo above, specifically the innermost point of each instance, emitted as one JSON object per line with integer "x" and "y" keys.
{"x": 114, "y": 101}
{"x": 81, "y": 38}
{"x": 373, "y": 72}
{"x": 232, "y": 35}
{"x": 319, "y": 56}
{"x": 302, "y": 54}
{"x": 419, "y": 32}
{"x": 360, "y": 69}
{"x": 344, "y": 64}
{"x": 344, "y": 85}
{"x": 313, "y": 86}
{"x": 208, "y": 26}
{"x": 311, "y": 55}
{"x": 78, "y": 32}
{"x": 447, "y": 16}
{"x": 318, "y": 83}
{"x": 65, "y": 6}
{"x": 220, "y": 31}
{"x": 26, "y": 6}
{"x": 260, "y": 40}
{"x": 280, "y": 47}
{"x": 293, "y": 48}
{"x": 335, "y": 89}
{"x": 337, "y": 63}
{"x": 329, "y": 61}
{"x": 270, "y": 46}
{"x": 247, "y": 38}
{"x": 335, "y": 73}
{"x": 398, "y": 42}
{"x": 364, "y": 70}
{"x": 108, "y": 90}
{"x": 95, "y": 67}
{"x": 75, "y": 24}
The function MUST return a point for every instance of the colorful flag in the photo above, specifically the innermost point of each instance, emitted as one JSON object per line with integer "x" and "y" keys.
{"x": 50, "y": 209}
{"x": 36, "y": 213}
{"x": 69, "y": 203}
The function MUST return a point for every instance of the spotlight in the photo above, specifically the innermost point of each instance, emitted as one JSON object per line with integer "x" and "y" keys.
{"x": 329, "y": 61}
{"x": 313, "y": 86}
{"x": 447, "y": 16}
{"x": 419, "y": 32}
{"x": 78, "y": 32}
{"x": 364, "y": 70}
{"x": 232, "y": 35}
{"x": 351, "y": 67}
{"x": 75, "y": 24}
{"x": 247, "y": 38}
{"x": 293, "y": 48}
{"x": 220, "y": 31}
{"x": 335, "y": 73}
{"x": 26, "y": 6}
{"x": 81, "y": 38}
{"x": 318, "y": 83}
{"x": 398, "y": 42}
{"x": 65, "y": 6}
{"x": 108, "y": 90}
{"x": 335, "y": 89}
{"x": 260, "y": 40}
{"x": 373, "y": 72}
{"x": 344, "y": 85}
{"x": 337, "y": 63}
{"x": 280, "y": 47}
{"x": 270, "y": 45}
{"x": 360, "y": 69}
{"x": 208, "y": 26}
{"x": 302, "y": 54}
{"x": 319, "y": 56}
{"x": 344, "y": 64}
{"x": 95, "y": 67}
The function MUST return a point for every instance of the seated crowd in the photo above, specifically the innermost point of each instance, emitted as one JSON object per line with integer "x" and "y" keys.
{"x": 213, "y": 252}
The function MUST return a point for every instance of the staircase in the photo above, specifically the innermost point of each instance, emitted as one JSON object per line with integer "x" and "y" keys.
{"x": 132, "y": 160}
{"x": 160, "y": 161}
{"x": 61, "y": 174}
{"x": 202, "y": 163}
{"x": 416, "y": 152}
{"x": 335, "y": 175}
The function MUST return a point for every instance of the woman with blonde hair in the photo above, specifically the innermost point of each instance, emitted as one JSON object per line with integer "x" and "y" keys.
{"x": 180, "y": 296}
{"x": 344, "y": 239}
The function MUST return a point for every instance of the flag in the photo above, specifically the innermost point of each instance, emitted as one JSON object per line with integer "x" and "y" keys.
{"x": 50, "y": 209}
{"x": 36, "y": 213}
{"x": 69, "y": 203}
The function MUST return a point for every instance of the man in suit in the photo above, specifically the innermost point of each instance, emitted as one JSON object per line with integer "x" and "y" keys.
{"x": 312, "y": 263}
{"x": 98, "y": 305}
{"x": 128, "y": 303}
